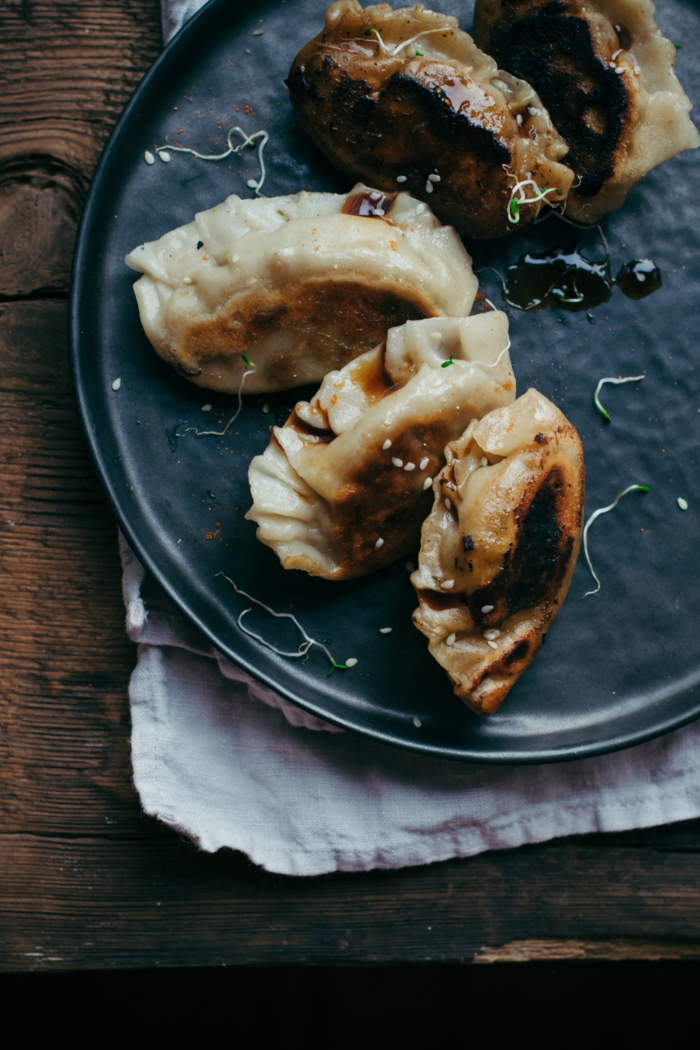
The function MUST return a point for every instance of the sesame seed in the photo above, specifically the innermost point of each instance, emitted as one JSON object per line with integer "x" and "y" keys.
{"x": 252, "y": 184}
{"x": 487, "y": 608}
{"x": 451, "y": 639}
{"x": 491, "y": 634}
{"x": 424, "y": 462}
{"x": 258, "y": 32}
{"x": 436, "y": 335}
{"x": 637, "y": 70}
{"x": 116, "y": 384}
{"x": 148, "y": 157}
{"x": 379, "y": 543}
{"x": 616, "y": 53}
{"x": 427, "y": 483}
{"x": 428, "y": 187}
{"x": 187, "y": 280}
{"x": 351, "y": 662}
{"x": 417, "y": 723}
{"x": 234, "y": 258}
{"x": 447, "y": 585}
{"x": 385, "y": 630}
{"x": 619, "y": 69}
{"x": 518, "y": 119}
{"x": 377, "y": 211}
{"x": 397, "y": 462}
{"x": 206, "y": 408}
{"x": 611, "y": 64}
{"x": 484, "y": 461}
{"x": 448, "y": 504}
{"x": 400, "y": 178}
{"x": 492, "y": 644}
{"x": 266, "y": 409}
{"x": 420, "y": 209}
{"x": 164, "y": 156}
{"x": 387, "y": 444}
{"x": 409, "y": 466}
{"x": 682, "y": 503}
{"x": 433, "y": 178}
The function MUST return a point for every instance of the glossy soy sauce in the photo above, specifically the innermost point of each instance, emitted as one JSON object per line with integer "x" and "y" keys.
{"x": 370, "y": 205}
{"x": 563, "y": 278}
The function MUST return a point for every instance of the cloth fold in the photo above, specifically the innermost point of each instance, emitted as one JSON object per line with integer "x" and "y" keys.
{"x": 227, "y": 762}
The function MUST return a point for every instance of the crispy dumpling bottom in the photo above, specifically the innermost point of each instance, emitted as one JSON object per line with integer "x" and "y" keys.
{"x": 344, "y": 485}
{"x": 500, "y": 545}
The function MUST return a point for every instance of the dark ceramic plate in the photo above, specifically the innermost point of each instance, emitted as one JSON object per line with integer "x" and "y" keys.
{"x": 619, "y": 667}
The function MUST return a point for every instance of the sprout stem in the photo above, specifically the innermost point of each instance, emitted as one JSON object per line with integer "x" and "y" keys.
{"x": 616, "y": 382}
{"x": 248, "y": 140}
{"x": 392, "y": 52}
{"x": 596, "y": 514}
{"x": 305, "y": 645}
{"x": 249, "y": 369}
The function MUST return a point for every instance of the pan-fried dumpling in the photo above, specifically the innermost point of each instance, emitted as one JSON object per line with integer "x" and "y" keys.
{"x": 500, "y": 545}
{"x": 419, "y": 105}
{"x": 300, "y": 284}
{"x": 605, "y": 73}
{"x": 344, "y": 485}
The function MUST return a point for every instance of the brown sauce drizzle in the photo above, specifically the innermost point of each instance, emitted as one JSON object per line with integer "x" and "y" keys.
{"x": 439, "y": 602}
{"x": 369, "y": 205}
{"x": 561, "y": 278}
{"x": 373, "y": 379}
{"x": 322, "y": 436}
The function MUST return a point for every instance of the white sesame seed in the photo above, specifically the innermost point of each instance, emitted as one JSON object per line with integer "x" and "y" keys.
{"x": 387, "y": 444}
{"x": 409, "y": 466}
{"x": 235, "y": 258}
{"x": 682, "y": 503}
{"x": 518, "y": 119}
{"x": 433, "y": 178}
{"x": 492, "y": 644}
{"x": 148, "y": 157}
{"x": 258, "y": 32}
{"x": 436, "y": 335}
{"x": 252, "y": 184}
{"x": 420, "y": 208}
{"x": 417, "y": 723}
{"x": 379, "y": 543}
{"x": 491, "y": 634}
{"x": 611, "y": 65}
{"x": 409, "y": 566}
{"x": 116, "y": 384}
{"x": 396, "y": 461}
{"x": 424, "y": 462}
{"x": 428, "y": 187}
{"x": 427, "y": 483}
{"x": 619, "y": 70}
{"x": 637, "y": 70}
{"x": 616, "y": 53}
{"x": 484, "y": 461}
{"x": 447, "y": 585}
{"x": 164, "y": 156}
{"x": 351, "y": 662}
{"x": 385, "y": 630}
{"x": 377, "y": 211}
{"x": 206, "y": 408}
{"x": 266, "y": 409}
{"x": 448, "y": 504}
{"x": 451, "y": 639}
{"x": 187, "y": 280}
{"x": 641, "y": 277}
{"x": 487, "y": 608}
{"x": 400, "y": 178}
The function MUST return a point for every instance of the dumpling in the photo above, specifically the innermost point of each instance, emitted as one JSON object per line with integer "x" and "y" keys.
{"x": 499, "y": 547}
{"x": 299, "y": 284}
{"x": 605, "y": 73}
{"x": 344, "y": 485}
{"x": 406, "y": 98}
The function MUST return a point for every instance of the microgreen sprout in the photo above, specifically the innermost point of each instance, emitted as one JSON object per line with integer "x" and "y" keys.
{"x": 446, "y": 364}
{"x": 249, "y": 369}
{"x": 596, "y": 514}
{"x": 616, "y": 382}
{"x": 392, "y": 52}
{"x": 303, "y": 647}
{"x": 518, "y": 196}
{"x": 261, "y": 137}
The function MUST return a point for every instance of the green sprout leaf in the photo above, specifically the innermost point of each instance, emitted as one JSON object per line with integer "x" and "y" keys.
{"x": 614, "y": 382}
{"x": 247, "y": 362}
{"x": 446, "y": 364}
{"x": 514, "y": 210}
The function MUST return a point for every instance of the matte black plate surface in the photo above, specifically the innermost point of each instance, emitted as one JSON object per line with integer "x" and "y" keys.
{"x": 619, "y": 667}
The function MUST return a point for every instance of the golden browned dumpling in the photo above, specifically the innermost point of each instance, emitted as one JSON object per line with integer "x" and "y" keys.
{"x": 405, "y": 99}
{"x": 500, "y": 545}
{"x": 605, "y": 73}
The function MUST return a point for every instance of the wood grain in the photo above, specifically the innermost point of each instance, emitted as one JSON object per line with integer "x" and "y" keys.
{"x": 85, "y": 879}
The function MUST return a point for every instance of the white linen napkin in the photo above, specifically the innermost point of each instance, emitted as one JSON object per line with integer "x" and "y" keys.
{"x": 227, "y": 762}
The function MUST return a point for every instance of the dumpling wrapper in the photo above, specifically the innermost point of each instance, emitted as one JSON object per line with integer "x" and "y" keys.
{"x": 344, "y": 485}
{"x": 499, "y": 547}
{"x": 439, "y": 115}
{"x": 296, "y": 283}
{"x": 605, "y": 73}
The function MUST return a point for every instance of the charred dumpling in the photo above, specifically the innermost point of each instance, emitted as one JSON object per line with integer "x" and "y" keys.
{"x": 405, "y": 98}
{"x": 605, "y": 73}
{"x": 345, "y": 484}
{"x": 500, "y": 545}
{"x": 300, "y": 284}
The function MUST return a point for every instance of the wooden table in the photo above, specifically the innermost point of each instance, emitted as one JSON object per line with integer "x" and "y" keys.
{"x": 86, "y": 880}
